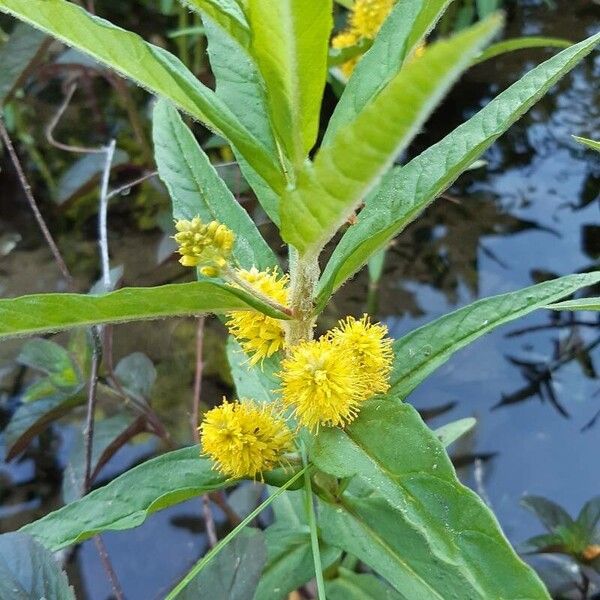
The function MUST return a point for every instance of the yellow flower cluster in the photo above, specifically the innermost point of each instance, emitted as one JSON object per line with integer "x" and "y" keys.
{"x": 325, "y": 381}
{"x": 244, "y": 439}
{"x": 260, "y": 335}
{"x": 204, "y": 245}
{"x": 365, "y": 21}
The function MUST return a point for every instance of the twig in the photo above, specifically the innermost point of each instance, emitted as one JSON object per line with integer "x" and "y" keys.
{"x": 112, "y": 576}
{"x": 128, "y": 186}
{"x": 103, "y": 214}
{"x": 211, "y": 530}
{"x": 88, "y": 432}
{"x": 195, "y": 418}
{"x": 34, "y": 207}
{"x": 54, "y": 122}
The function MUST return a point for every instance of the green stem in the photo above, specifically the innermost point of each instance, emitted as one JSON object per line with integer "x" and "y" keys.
{"x": 212, "y": 553}
{"x": 312, "y": 524}
{"x": 182, "y": 41}
{"x": 232, "y": 277}
{"x": 304, "y": 274}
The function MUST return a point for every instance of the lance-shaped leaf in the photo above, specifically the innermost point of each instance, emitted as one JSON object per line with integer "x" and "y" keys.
{"x": 407, "y": 190}
{"x": 353, "y": 586}
{"x": 401, "y": 32}
{"x": 227, "y": 14}
{"x": 290, "y": 40}
{"x": 328, "y": 191}
{"x": 196, "y": 188}
{"x": 593, "y": 144}
{"x": 17, "y": 56}
{"x": 591, "y": 304}
{"x": 234, "y": 573}
{"x": 129, "y": 499}
{"x": 28, "y": 570}
{"x": 240, "y": 85}
{"x": 42, "y": 313}
{"x": 423, "y": 350}
{"x": 421, "y": 529}
{"x": 290, "y": 562}
{"x": 521, "y": 43}
{"x": 150, "y": 66}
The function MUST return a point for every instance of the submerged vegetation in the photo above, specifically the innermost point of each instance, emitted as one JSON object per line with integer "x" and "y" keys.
{"x": 365, "y": 498}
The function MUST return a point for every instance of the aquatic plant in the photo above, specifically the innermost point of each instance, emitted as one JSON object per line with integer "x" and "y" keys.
{"x": 376, "y": 482}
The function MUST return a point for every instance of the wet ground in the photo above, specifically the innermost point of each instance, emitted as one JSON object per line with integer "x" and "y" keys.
{"x": 531, "y": 213}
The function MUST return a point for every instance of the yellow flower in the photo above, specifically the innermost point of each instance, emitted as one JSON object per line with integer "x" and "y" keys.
{"x": 371, "y": 348}
{"x": 244, "y": 439}
{"x": 259, "y": 335}
{"x": 346, "y": 39}
{"x": 322, "y": 384}
{"x": 365, "y": 21}
{"x": 207, "y": 246}
{"x": 367, "y": 16}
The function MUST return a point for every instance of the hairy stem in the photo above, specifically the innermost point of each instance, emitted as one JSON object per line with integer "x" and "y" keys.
{"x": 304, "y": 273}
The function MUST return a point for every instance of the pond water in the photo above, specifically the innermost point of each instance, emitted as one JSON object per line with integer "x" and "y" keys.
{"x": 532, "y": 212}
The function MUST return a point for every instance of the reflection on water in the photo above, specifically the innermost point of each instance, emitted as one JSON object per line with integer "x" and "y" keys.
{"x": 531, "y": 213}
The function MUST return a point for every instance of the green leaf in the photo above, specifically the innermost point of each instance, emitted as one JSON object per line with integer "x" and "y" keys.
{"x": 549, "y": 513}
{"x": 290, "y": 40}
{"x": 589, "y": 143}
{"x": 290, "y": 562}
{"x": 423, "y": 350}
{"x": 196, "y": 188}
{"x": 258, "y": 383}
{"x": 240, "y": 86}
{"x": 546, "y": 542}
{"x": 234, "y": 573}
{"x": 53, "y": 360}
{"x": 590, "y": 304}
{"x": 449, "y": 433}
{"x": 329, "y": 191}
{"x": 521, "y": 43}
{"x": 421, "y": 529}
{"x": 28, "y": 570}
{"x": 33, "y": 417}
{"x": 150, "y": 66}
{"x": 42, "y": 313}
{"x": 589, "y": 518}
{"x": 136, "y": 374}
{"x": 238, "y": 82}
{"x": 109, "y": 435}
{"x": 227, "y": 14}
{"x": 401, "y": 32}
{"x": 407, "y": 190}
{"x": 17, "y": 55}
{"x": 129, "y": 499}
{"x": 352, "y": 586}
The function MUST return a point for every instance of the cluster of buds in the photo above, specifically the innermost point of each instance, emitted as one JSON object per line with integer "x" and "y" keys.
{"x": 207, "y": 246}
